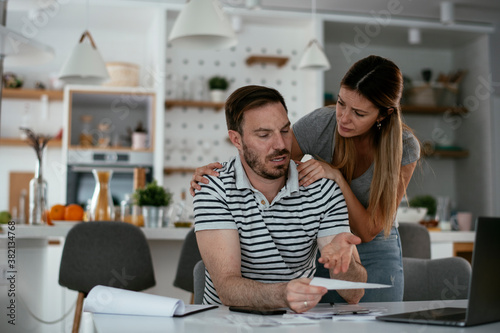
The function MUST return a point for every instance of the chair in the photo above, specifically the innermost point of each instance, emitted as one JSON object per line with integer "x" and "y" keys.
{"x": 112, "y": 254}
{"x": 190, "y": 255}
{"x": 199, "y": 282}
{"x": 436, "y": 279}
{"x": 415, "y": 240}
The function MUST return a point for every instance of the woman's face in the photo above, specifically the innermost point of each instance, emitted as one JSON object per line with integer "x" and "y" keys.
{"x": 356, "y": 115}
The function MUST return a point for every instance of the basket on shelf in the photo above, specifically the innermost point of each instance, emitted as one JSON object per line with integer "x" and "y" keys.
{"x": 122, "y": 74}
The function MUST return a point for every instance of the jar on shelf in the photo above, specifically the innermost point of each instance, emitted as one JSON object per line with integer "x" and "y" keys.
{"x": 130, "y": 212}
{"x": 86, "y": 133}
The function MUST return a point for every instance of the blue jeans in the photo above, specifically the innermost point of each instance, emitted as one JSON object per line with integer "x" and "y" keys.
{"x": 384, "y": 264}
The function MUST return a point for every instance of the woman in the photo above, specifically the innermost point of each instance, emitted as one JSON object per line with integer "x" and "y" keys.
{"x": 363, "y": 145}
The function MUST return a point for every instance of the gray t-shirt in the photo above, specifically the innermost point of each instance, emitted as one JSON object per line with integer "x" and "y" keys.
{"x": 315, "y": 134}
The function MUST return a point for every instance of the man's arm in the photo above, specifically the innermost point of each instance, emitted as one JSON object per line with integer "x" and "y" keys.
{"x": 221, "y": 254}
{"x": 340, "y": 255}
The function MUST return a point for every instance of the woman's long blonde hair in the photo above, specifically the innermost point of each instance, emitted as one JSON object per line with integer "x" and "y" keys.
{"x": 380, "y": 81}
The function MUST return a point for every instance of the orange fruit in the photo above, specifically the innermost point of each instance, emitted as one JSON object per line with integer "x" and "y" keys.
{"x": 57, "y": 212}
{"x": 73, "y": 212}
{"x": 49, "y": 219}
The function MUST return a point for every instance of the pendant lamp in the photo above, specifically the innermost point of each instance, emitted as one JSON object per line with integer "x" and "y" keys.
{"x": 314, "y": 57}
{"x": 21, "y": 51}
{"x": 202, "y": 25}
{"x": 84, "y": 65}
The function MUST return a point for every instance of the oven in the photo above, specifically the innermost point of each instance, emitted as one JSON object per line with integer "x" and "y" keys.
{"x": 80, "y": 182}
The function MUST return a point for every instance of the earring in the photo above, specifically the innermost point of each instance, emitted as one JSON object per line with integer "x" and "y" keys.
{"x": 379, "y": 125}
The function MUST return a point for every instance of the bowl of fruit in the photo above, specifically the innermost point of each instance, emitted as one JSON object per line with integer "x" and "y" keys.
{"x": 65, "y": 215}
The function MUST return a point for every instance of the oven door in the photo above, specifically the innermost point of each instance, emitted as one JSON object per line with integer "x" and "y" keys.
{"x": 81, "y": 183}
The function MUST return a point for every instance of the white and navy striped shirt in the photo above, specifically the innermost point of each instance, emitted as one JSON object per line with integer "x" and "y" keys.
{"x": 278, "y": 240}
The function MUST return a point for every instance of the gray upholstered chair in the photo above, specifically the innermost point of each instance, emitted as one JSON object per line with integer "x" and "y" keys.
{"x": 199, "y": 282}
{"x": 190, "y": 255}
{"x": 415, "y": 240}
{"x": 436, "y": 279}
{"x": 112, "y": 254}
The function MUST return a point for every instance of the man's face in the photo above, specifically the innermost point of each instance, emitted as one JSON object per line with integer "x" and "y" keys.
{"x": 266, "y": 141}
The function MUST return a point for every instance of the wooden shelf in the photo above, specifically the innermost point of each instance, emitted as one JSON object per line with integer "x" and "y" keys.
{"x": 194, "y": 104}
{"x": 447, "y": 153}
{"x": 56, "y": 143}
{"x": 426, "y": 109}
{"x": 168, "y": 171}
{"x": 32, "y": 94}
{"x": 276, "y": 60}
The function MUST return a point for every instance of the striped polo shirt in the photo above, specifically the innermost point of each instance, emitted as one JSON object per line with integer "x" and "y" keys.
{"x": 278, "y": 240}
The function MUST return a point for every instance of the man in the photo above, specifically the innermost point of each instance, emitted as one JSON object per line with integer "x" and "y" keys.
{"x": 257, "y": 230}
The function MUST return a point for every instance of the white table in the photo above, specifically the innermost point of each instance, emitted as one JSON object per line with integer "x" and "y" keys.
{"x": 213, "y": 321}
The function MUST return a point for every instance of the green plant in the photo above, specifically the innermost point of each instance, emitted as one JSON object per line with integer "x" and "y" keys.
{"x": 152, "y": 195}
{"x": 426, "y": 201}
{"x": 218, "y": 82}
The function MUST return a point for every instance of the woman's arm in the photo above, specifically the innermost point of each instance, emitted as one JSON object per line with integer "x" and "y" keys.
{"x": 208, "y": 169}
{"x": 313, "y": 170}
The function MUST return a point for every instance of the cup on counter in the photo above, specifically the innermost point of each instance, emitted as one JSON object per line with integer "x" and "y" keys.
{"x": 463, "y": 221}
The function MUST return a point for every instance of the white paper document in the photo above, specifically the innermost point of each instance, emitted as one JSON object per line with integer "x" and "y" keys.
{"x": 333, "y": 284}
{"x": 111, "y": 300}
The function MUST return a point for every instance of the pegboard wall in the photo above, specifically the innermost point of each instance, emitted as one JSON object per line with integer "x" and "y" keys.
{"x": 198, "y": 136}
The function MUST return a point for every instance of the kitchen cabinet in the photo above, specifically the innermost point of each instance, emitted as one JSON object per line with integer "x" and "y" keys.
{"x": 112, "y": 116}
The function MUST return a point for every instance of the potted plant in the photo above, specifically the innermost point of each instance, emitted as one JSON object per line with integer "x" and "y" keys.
{"x": 153, "y": 199}
{"x": 428, "y": 202}
{"x": 218, "y": 86}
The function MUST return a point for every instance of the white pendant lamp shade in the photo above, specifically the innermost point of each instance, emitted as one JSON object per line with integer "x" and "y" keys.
{"x": 84, "y": 65}
{"x": 21, "y": 51}
{"x": 314, "y": 58}
{"x": 202, "y": 25}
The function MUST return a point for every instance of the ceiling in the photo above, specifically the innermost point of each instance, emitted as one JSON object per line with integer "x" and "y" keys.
{"x": 465, "y": 10}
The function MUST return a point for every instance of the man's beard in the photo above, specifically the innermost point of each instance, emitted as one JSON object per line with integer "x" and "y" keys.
{"x": 252, "y": 159}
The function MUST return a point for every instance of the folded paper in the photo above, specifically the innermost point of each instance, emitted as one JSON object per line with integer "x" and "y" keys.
{"x": 111, "y": 300}
{"x": 333, "y": 284}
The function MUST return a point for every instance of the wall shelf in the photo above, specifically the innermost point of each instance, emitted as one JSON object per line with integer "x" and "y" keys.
{"x": 441, "y": 153}
{"x": 56, "y": 95}
{"x": 217, "y": 106}
{"x": 276, "y": 60}
{"x": 429, "y": 110}
{"x": 56, "y": 143}
{"x": 169, "y": 171}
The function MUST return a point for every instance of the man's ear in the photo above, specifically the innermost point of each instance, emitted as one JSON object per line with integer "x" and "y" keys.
{"x": 235, "y": 138}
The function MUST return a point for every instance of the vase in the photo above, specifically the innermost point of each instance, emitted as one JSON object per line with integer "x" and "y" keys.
{"x": 38, "y": 197}
{"x": 217, "y": 95}
{"x": 101, "y": 206}
{"x": 153, "y": 216}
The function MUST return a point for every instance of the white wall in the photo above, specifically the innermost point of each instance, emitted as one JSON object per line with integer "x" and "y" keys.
{"x": 198, "y": 136}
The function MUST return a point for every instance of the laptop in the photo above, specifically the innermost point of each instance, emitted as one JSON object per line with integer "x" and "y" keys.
{"x": 484, "y": 289}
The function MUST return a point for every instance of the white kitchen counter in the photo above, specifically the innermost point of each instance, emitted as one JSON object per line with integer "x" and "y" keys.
{"x": 40, "y": 232}
{"x": 452, "y": 236}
